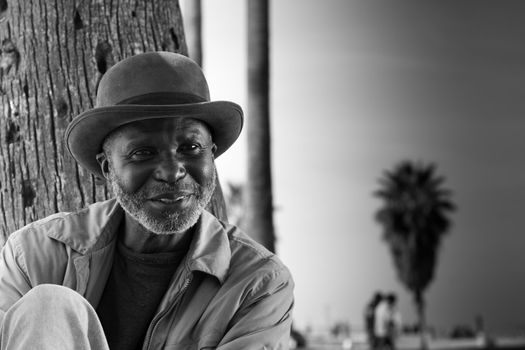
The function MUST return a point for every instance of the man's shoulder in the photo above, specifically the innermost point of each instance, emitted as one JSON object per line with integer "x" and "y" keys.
{"x": 76, "y": 228}
{"x": 53, "y": 219}
{"x": 37, "y": 229}
{"x": 249, "y": 256}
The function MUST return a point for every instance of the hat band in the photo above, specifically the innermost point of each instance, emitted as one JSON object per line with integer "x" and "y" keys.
{"x": 162, "y": 98}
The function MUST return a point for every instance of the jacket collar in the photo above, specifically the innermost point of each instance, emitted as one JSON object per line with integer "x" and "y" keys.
{"x": 96, "y": 226}
{"x": 86, "y": 230}
{"x": 210, "y": 247}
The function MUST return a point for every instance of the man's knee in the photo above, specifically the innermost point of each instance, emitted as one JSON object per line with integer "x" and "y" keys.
{"x": 49, "y": 291}
{"x": 49, "y": 295}
{"x": 52, "y": 314}
{"x": 48, "y": 298}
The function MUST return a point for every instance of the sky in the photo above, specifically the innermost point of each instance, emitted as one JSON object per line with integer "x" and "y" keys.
{"x": 356, "y": 87}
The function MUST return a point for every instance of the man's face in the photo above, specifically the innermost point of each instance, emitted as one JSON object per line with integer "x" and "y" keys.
{"x": 161, "y": 171}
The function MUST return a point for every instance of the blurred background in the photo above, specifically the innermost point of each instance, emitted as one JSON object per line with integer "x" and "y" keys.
{"x": 356, "y": 87}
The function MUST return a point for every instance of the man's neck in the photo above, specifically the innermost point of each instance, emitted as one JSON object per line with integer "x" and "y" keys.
{"x": 139, "y": 239}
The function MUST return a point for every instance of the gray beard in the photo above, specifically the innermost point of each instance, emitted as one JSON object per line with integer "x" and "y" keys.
{"x": 172, "y": 222}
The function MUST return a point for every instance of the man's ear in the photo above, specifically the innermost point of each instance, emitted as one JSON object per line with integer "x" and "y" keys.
{"x": 103, "y": 162}
{"x": 213, "y": 149}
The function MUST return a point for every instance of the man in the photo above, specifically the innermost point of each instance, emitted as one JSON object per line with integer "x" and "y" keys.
{"x": 387, "y": 322}
{"x": 150, "y": 269}
{"x": 370, "y": 320}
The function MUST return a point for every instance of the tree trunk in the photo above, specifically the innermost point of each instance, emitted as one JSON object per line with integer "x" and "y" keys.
{"x": 52, "y": 57}
{"x": 217, "y": 204}
{"x": 420, "y": 308}
{"x": 259, "y": 205}
{"x": 192, "y": 11}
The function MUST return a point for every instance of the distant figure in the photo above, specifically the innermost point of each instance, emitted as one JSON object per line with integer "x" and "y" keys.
{"x": 370, "y": 311}
{"x": 483, "y": 340}
{"x": 387, "y": 322}
{"x": 297, "y": 339}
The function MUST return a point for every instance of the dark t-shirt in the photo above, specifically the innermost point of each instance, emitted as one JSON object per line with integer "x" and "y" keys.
{"x": 135, "y": 287}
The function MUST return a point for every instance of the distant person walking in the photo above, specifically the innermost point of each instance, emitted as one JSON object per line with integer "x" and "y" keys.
{"x": 370, "y": 317}
{"x": 387, "y": 322}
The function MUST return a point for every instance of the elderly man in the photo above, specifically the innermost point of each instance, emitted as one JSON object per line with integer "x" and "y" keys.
{"x": 150, "y": 269}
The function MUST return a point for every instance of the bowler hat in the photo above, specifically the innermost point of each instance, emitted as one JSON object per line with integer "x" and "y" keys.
{"x": 148, "y": 86}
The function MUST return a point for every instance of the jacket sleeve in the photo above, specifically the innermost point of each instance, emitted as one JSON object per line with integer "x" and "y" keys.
{"x": 265, "y": 318}
{"x": 14, "y": 281}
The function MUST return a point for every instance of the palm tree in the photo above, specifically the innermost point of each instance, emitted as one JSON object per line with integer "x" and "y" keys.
{"x": 414, "y": 218}
{"x": 259, "y": 199}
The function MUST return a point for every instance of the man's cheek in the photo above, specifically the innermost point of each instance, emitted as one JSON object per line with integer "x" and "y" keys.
{"x": 133, "y": 181}
{"x": 202, "y": 172}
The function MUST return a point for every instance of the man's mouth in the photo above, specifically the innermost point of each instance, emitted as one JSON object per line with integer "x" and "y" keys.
{"x": 170, "y": 198}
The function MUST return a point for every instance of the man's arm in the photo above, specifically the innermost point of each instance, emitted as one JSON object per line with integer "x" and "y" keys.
{"x": 265, "y": 318}
{"x": 14, "y": 282}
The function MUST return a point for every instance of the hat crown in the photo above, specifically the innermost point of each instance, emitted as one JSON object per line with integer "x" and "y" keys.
{"x": 153, "y": 76}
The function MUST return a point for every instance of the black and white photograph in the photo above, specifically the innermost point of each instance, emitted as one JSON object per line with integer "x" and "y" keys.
{"x": 262, "y": 174}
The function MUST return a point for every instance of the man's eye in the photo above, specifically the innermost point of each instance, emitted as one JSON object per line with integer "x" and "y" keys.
{"x": 141, "y": 154}
{"x": 190, "y": 148}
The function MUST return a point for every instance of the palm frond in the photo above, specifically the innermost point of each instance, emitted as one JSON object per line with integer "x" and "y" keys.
{"x": 414, "y": 215}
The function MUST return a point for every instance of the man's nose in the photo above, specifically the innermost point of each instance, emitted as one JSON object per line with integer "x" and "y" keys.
{"x": 170, "y": 169}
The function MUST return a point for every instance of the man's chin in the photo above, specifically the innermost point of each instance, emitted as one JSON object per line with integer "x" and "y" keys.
{"x": 163, "y": 216}
{"x": 167, "y": 223}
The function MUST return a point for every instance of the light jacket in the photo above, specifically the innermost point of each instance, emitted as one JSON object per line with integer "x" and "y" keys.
{"x": 229, "y": 292}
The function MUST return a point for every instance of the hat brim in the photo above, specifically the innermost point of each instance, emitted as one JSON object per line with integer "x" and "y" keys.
{"x": 86, "y": 133}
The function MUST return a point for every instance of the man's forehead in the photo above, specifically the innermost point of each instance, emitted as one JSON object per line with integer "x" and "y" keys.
{"x": 182, "y": 125}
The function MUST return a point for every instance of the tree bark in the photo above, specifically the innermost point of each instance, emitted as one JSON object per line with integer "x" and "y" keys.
{"x": 193, "y": 27}
{"x": 52, "y": 57}
{"x": 420, "y": 308}
{"x": 259, "y": 200}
